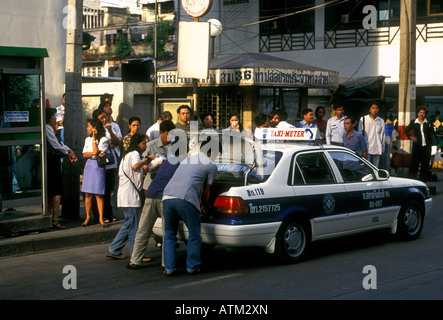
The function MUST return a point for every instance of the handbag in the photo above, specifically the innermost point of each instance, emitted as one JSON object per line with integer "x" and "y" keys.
{"x": 106, "y": 160}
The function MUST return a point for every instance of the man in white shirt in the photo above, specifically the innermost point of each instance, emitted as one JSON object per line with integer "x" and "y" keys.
{"x": 154, "y": 131}
{"x": 372, "y": 128}
{"x": 335, "y": 127}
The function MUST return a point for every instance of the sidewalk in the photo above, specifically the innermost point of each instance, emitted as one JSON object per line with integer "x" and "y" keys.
{"x": 49, "y": 239}
{"x": 76, "y": 236}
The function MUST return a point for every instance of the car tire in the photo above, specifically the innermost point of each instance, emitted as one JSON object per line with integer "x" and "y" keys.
{"x": 292, "y": 241}
{"x": 410, "y": 220}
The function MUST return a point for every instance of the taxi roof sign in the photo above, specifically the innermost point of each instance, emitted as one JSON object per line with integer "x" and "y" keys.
{"x": 292, "y": 134}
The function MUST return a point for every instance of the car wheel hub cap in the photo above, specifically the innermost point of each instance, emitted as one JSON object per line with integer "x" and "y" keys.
{"x": 411, "y": 220}
{"x": 293, "y": 240}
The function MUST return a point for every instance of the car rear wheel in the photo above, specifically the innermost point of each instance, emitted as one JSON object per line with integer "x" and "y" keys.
{"x": 410, "y": 220}
{"x": 292, "y": 241}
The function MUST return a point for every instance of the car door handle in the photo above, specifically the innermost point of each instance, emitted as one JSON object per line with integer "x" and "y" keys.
{"x": 306, "y": 198}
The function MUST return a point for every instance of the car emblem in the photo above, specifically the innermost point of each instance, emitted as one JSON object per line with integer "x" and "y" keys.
{"x": 328, "y": 204}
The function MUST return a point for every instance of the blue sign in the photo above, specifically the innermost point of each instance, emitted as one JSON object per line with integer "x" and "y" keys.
{"x": 16, "y": 116}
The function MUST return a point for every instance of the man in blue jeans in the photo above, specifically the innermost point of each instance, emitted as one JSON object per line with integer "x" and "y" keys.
{"x": 188, "y": 186}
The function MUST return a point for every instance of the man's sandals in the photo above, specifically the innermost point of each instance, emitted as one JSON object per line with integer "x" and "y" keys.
{"x": 57, "y": 225}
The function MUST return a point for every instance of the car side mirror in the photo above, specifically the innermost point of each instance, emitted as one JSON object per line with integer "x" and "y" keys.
{"x": 382, "y": 174}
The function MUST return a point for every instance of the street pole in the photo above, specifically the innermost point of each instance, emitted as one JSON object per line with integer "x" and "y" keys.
{"x": 156, "y": 111}
{"x": 73, "y": 109}
{"x": 406, "y": 85}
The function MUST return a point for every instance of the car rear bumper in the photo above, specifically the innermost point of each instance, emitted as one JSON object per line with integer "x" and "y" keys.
{"x": 249, "y": 235}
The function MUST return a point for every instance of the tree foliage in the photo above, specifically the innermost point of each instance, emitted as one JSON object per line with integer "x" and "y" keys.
{"x": 123, "y": 46}
{"x": 164, "y": 30}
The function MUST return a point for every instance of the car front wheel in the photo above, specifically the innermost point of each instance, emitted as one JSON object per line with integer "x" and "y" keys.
{"x": 292, "y": 241}
{"x": 410, "y": 220}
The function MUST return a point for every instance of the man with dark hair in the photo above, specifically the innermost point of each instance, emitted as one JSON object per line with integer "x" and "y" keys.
{"x": 182, "y": 199}
{"x": 372, "y": 128}
{"x": 335, "y": 127}
{"x": 283, "y": 124}
{"x": 308, "y": 118}
{"x": 154, "y": 131}
{"x": 153, "y": 209}
{"x": 353, "y": 139}
{"x": 261, "y": 121}
{"x": 184, "y": 115}
{"x": 158, "y": 146}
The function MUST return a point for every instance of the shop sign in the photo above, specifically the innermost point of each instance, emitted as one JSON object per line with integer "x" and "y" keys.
{"x": 196, "y": 8}
{"x": 255, "y": 76}
{"x": 16, "y": 116}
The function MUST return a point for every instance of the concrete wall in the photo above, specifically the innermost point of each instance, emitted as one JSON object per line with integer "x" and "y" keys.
{"x": 38, "y": 24}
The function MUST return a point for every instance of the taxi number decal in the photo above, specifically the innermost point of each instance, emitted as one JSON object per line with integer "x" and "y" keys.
{"x": 255, "y": 192}
{"x": 375, "y": 204}
{"x": 376, "y": 196}
{"x": 264, "y": 208}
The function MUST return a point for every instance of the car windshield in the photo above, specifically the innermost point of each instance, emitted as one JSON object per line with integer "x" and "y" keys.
{"x": 231, "y": 172}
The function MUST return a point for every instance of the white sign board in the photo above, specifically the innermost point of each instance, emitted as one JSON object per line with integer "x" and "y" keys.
{"x": 293, "y": 134}
{"x": 193, "y": 50}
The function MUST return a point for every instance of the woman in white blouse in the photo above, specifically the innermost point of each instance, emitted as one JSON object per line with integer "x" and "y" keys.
{"x": 56, "y": 151}
{"x": 93, "y": 184}
{"x": 130, "y": 174}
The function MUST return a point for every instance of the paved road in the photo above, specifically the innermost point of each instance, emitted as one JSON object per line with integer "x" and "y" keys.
{"x": 334, "y": 271}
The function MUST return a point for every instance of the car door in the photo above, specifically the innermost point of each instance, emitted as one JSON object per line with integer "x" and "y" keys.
{"x": 318, "y": 193}
{"x": 369, "y": 199}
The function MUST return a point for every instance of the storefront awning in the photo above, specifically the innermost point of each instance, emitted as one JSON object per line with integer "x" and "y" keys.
{"x": 254, "y": 69}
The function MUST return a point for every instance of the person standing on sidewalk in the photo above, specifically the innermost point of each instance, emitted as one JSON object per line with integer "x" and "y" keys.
{"x": 93, "y": 185}
{"x": 114, "y": 134}
{"x": 182, "y": 198}
{"x": 372, "y": 127}
{"x": 130, "y": 175}
{"x": 335, "y": 127}
{"x": 56, "y": 150}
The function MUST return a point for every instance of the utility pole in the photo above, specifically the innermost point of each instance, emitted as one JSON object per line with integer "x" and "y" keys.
{"x": 73, "y": 108}
{"x": 406, "y": 84}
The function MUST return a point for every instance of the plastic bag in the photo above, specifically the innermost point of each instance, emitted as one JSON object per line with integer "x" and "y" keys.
{"x": 437, "y": 165}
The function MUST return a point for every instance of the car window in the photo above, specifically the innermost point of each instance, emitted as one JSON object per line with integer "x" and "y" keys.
{"x": 312, "y": 168}
{"x": 230, "y": 172}
{"x": 352, "y": 168}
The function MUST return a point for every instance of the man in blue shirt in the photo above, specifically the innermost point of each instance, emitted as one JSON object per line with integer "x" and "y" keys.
{"x": 354, "y": 140}
{"x": 308, "y": 118}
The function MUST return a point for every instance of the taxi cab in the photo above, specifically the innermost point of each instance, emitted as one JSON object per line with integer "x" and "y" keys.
{"x": 293, "y": 193}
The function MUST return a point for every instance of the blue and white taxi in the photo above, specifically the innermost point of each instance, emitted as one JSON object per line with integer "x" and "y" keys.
{"x": 292, "y": 193}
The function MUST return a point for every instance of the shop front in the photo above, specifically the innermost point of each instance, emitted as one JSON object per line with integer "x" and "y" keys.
{"x": 249, "y": 84}
{"x": 22, "y": 159}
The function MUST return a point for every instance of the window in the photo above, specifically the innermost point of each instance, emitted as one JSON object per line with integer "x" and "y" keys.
{"x": 435, "y": 7}
{"x": 312, "y": 168}
{"x": 352, "y": 169}
{"x": 282, "y": 19}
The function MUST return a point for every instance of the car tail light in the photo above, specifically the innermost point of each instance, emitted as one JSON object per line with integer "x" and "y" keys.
{"x": 231, "y": 205}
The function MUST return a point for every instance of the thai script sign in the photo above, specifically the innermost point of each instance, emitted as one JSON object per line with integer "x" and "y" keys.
{"x": 255, "y": 76}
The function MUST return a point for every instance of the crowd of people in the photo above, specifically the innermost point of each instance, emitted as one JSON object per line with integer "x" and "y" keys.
{"x": 151, "y": 185}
